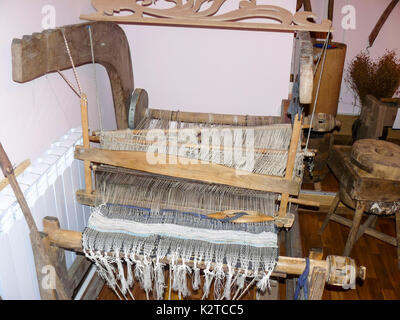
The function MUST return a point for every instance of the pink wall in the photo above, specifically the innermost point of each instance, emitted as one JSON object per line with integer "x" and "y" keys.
{"x": 182, "y": 68}
{"x": 209, "y": 70}
{"x": 367, "y": 15}
{"x": 35, "y": 114}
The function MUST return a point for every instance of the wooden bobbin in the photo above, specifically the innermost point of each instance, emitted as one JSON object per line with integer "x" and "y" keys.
{"x": 343, "y": 272}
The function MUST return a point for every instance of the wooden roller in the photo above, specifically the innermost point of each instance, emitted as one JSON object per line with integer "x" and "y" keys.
{"x": 341, "y": 271}
{"x": 377, "y": 157}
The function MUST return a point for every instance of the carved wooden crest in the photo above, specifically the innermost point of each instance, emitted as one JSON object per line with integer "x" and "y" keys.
{"x": 192, "y": 13}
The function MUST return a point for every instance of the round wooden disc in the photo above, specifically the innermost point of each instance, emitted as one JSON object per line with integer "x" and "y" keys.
{"x": 138, "y": 103}
{"x": 379, "y": 158}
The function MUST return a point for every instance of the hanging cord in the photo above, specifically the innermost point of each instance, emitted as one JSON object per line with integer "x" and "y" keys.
{"x": 69, "y": 84}
{"x": 99, "y": 113}
{"x": 72, "y": 61}
{"x": 79, "y": 91}
{"x": 324, "y": 50}
{"x": 303, "y": 282}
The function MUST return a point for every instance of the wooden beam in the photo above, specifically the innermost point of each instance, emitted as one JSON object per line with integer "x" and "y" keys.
{"x": 208, "y": 172}
{"x": 307, "y": 5}
{"x": 90, "y": 199}
{"x": 331, "y": 8}
{"x": 41, "y": 53}
{"x": 72, "y": 240}
{"x": 385, "y": 15}
{"x": 371, "y": 232}
{"x": 213, "y": 118}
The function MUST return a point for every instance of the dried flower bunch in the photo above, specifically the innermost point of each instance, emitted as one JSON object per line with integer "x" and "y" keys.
{"x": 379, "y": 77}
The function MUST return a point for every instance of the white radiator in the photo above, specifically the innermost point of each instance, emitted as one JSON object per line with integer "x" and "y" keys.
{"x": 49, "y": 185}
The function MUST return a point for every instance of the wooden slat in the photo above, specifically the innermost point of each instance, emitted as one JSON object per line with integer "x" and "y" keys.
{"x": 17, "y": 171}
{"x": 86, "y": 143}
{"x": 291, "y": 159}
{"x": 211, "y": 173}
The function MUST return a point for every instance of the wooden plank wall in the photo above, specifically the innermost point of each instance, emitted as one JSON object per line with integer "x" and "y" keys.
{"x": 49, "y": 185}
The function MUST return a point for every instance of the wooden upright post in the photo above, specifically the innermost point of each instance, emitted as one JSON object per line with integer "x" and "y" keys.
{"x": 86, "y": 142}
{"x": 291, "y": 160}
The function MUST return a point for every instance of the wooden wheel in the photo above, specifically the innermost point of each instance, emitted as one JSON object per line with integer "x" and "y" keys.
{"x": 377, "y": 157}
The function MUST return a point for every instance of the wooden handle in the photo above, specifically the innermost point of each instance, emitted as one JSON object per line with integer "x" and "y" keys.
{"x": 5, "y": 163}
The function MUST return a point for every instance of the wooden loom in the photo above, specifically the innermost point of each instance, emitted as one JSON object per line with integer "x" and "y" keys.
{"x": 26, "y": 68}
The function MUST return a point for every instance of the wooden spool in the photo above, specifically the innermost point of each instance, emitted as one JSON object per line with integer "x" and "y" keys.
{"x": 343, "y": 272}
{"x": 379, "y": 158}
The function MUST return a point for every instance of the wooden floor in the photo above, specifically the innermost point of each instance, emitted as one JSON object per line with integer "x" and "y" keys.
{"x": 383, "y": 277}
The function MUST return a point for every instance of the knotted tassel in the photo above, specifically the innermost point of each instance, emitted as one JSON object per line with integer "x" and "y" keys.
{"x": 264, "y": 283}
{"x": 196, "y": 277}
{"x": 208, "y": 278}
{"x": 121, "y": 274}
{"x": 147, "y": 275}
{"x": 159, "y": 279}
{"x": 219, "y": 277}
{"x": 129, "y": 264}
{"x": 180, "y": 281}
{"x": 139, "y": 272}
{"x": 228, "y": 283}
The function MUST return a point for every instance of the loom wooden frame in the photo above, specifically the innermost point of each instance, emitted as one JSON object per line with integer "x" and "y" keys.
{"x": 30, "y": 53}
{"x": 48, "y": 247}
{"x": 205, "y": 172}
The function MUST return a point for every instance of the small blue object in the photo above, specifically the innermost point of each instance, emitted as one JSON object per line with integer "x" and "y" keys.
{"x": 321, "y": 45}
{"x": 302, "y": 283}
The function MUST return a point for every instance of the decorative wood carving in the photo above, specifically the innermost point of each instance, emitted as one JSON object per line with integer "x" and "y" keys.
{"x": 190, "y": 13}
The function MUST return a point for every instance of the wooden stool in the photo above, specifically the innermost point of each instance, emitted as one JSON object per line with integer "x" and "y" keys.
{"x": 367, "y": 191}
